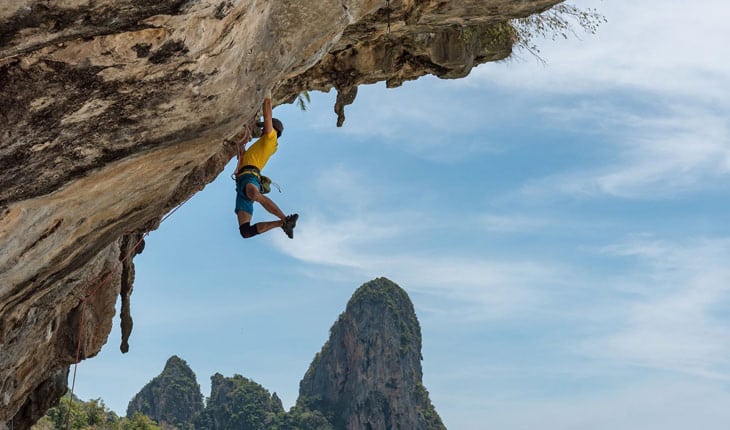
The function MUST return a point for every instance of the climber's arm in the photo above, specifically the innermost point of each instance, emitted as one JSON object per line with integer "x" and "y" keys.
{"x": 268, "y": 125}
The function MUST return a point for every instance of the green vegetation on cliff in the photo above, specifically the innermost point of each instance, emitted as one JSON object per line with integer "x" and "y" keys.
{"x": 557, "y": 22}
{"x": 368, "y": 375}
{"x": 239, "y": 403}
{"x": 173, "y": 397}
{"x": 387, "y": 295}
{"x": 91, "y": 415}
{"x": 369, "y": 371}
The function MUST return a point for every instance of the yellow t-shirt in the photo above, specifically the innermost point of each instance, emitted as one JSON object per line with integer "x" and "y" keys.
{"x": 259, "y": 153}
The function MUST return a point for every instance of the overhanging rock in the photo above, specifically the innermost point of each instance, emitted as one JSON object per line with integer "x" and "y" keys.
{"x": 133, "y": 98}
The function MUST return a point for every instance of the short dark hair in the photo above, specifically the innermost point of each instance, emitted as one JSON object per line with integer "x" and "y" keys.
{"x": 278, "y": 126}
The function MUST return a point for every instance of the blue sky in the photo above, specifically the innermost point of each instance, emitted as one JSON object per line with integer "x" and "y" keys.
{"x": 561, "y": 228}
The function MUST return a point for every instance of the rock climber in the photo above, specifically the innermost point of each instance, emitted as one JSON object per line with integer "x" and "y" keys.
{"x": 248, "y": 180}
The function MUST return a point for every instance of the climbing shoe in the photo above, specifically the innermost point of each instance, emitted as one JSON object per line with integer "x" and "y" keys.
{"x": 289, "y": 223}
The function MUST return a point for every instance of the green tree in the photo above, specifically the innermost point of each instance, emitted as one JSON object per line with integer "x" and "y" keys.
{"x": 238, "y": 403}
{"x": 96, "y": 412}
{"x": 173, "y": 397}
{"x": 303, "y": 100}
{"x": 44, "y": 423}
{"x": 300, "y": 418}
{"x": 139, "y": 422}
{"x": 91, "y": 415}
{"x": 59, "y": 415}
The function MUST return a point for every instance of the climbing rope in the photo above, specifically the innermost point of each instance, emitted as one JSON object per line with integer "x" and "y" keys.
{"x": 244, "y": 138}
{"x": 240, "y": 140}
{"x": 93, "y": 292}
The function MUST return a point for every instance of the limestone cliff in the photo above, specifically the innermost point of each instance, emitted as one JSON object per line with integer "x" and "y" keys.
{"x": 368, "y": 375}
{"x": 238, "y": 403}
{"x": 112, "y": 112}
{"x": 172, "y": 398}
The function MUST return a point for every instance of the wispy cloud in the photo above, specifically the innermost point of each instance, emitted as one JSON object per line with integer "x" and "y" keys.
{"x": 657, "y": 155}
{"x": 666, "y": 403}
{"x": 327, "y": 242}
{"x": 661, "y": 97}
{"x": 660, "y": 308}
{"x": 479, "y": 287}
{"x": 414, "y": 120}
{"x": 675, "y": 320}
{"x": 651, "y": 47}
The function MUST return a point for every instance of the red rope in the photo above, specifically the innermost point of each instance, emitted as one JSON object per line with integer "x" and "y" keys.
{"x": 106, "y": 279}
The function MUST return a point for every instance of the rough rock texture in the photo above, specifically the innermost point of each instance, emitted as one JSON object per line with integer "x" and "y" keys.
{"x": 368, "y": 375}
{"x": 238, "y": 403}
{"x": 172, "y": 398}
{"x": 112, "y": 112}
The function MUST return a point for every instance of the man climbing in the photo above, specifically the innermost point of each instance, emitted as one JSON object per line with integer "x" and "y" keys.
{"x": 248, "y": 180}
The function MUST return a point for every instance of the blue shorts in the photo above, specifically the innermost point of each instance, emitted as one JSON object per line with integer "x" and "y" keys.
{"x": 243, "y": 203}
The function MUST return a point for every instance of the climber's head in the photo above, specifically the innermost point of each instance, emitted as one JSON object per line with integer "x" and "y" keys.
{"x": 278, "y": 126}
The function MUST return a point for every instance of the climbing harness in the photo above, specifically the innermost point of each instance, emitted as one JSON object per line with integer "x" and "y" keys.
{"x": 265, "y": 182}
{"x": 96, "y": 289}
{"x": 240, "y": 143}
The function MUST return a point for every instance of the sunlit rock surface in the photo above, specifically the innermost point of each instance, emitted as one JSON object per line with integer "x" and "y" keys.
{"x": 112, "y": 112}
{"x": 368, "y": 375}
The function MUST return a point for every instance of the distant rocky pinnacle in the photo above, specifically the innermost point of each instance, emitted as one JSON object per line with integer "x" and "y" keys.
{"x": 239, "y": 403}
{"x": 368, "y": 374}
{"x": 367, "y": 377}
{"x": 113, "y": 112}
{"x": 172, "y": 399}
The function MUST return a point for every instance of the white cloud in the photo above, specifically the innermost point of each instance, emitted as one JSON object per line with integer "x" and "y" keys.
{"x": 674, "y": 320}
{"x": 478, "y": 287}
{"x": 668, "y": 404}
{"x": 661, "y": 64}
{"x": 659, "y": 310}
{"x": 657, "y": 155}
{"x": 670, "y": 154}
{"x": 325, "y": 242}
{"x": 414, "y": 119}
{"x": 653, "y": 46}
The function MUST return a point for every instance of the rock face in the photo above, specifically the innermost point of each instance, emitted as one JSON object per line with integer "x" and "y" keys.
{"x": 238, "y": 403}
{"x": 368, "y": 375}
{"x": 172, "y": 399}
{"x": 112, "y": 112}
